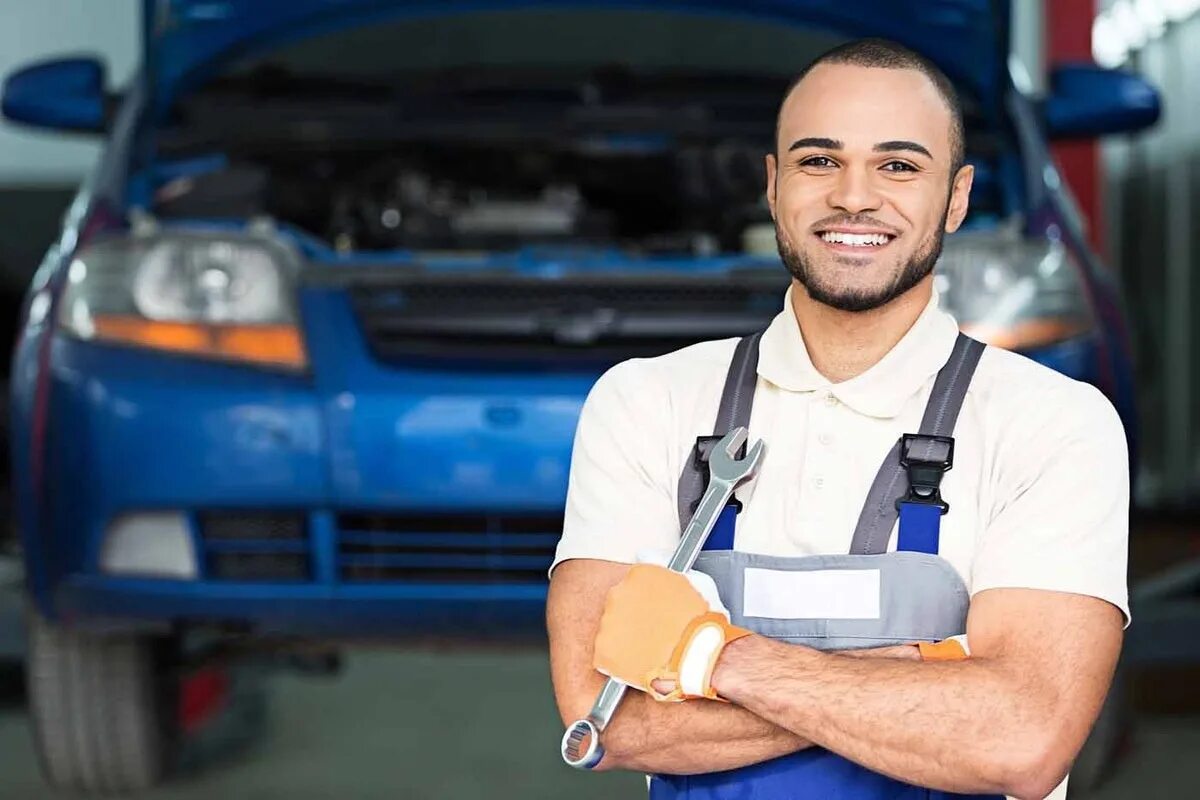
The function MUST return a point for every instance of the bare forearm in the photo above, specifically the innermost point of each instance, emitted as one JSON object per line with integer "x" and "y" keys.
{"x": 703, "y": 736}
{"x": 957, "y": 726}
{"x": 691, "y": 737}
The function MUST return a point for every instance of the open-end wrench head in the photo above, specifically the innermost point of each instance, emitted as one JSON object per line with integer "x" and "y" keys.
{"x": 723, "y": 462}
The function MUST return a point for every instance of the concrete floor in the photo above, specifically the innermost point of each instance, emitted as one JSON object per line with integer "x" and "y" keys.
{"x": 418, "y": 724}
{"x": 415, "y": 725}
{"x": 411, "y": 724}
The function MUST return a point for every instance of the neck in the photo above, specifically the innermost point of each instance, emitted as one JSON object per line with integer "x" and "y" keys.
{"x": 845, "y": 344}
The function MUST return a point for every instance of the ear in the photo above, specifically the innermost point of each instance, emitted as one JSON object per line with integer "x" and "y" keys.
{"x": 960, "y": 195}
{"x": 771, "y": 183}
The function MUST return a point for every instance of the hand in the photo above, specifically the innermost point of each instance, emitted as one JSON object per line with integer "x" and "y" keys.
{"x": 656, "y": 626}
{"x": 953, "y": 649}
{"x": 701, "y": 582}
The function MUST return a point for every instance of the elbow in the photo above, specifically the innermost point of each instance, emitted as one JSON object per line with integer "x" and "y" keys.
{"x": 612, "y": 760}
{"x": 1032, "y": 768}
{"x": 1035, "y": 786}
{"x": 624, "y": 746}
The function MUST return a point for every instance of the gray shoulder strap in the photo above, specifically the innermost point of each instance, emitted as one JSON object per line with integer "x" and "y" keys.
{"x": 737, "y": 400}
{"x": 879, "y": 513}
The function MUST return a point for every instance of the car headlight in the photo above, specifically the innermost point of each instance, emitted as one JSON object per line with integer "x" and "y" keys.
{"x": 215, "y": 296}
{"x": 1012, "y": 292}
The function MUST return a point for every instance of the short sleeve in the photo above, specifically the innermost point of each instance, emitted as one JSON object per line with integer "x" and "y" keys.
{"x": 1060, "y": 520}
{"x": 619, "y": 498}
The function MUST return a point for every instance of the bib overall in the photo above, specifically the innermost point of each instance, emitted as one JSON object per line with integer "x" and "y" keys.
{"x": 921, "y": 596}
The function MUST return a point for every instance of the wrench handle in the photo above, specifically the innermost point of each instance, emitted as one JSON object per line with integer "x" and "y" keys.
{"x": 581, "y": 746}
{"x": 701, "y": 525}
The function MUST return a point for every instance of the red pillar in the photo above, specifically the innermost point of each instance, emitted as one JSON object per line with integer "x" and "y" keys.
{"x": 1069, "y": 38}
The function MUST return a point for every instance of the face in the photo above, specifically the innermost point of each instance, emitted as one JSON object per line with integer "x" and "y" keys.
{"x": 861, "y": 190}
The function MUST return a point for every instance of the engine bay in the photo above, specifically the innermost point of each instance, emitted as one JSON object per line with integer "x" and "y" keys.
{"x": 627, "y": 193}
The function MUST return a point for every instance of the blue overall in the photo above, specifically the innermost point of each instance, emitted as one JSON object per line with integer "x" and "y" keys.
{"x": 815, "y": 772}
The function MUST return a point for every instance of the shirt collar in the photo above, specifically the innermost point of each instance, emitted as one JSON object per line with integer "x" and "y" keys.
{"x": 882, "y": 390}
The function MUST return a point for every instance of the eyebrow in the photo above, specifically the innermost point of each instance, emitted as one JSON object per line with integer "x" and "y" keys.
{"x": 896, "y": 145}
{"x": 901, "y": 145}
{"x": 816, "y": 141}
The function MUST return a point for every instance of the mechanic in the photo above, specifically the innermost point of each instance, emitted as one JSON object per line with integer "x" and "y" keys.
{"x": 965, "y": 647}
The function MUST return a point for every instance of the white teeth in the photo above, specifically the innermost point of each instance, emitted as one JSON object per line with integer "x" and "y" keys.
{"x": 855, "y": 239}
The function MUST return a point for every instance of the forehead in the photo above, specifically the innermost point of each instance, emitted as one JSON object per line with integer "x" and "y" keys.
{"x": 862, "y": 106}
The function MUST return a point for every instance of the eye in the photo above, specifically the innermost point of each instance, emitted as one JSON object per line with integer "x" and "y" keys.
{"x": 817, "y": 162}
{"x": 899, "y": 166}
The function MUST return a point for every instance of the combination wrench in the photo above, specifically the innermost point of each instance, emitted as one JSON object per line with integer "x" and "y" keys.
{"x": 581, "y": 747}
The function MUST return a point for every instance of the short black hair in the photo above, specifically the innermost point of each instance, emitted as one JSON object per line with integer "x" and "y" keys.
{"x": 886, "y": 54}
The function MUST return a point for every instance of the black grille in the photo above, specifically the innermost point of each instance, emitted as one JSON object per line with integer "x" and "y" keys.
{"x": 447, "y": 548}
{"x": 235, "y": 566}
{"x": 230, "y": 526}
{"x": 255, "y": 546}
{"x": 601, "y": 321}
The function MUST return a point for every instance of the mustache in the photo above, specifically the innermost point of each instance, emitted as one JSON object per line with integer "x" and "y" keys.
{"x": 851, "y": 220}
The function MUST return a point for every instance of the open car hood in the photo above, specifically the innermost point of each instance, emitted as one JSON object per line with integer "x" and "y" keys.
{"x": 185, "y": 39}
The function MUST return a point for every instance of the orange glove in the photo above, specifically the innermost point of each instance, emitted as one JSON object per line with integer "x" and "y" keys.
{"x": 953, "y": 649}
{"x": 657, "y": 626}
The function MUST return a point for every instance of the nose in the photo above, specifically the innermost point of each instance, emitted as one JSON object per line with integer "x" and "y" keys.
{"x": 854, "y": 191}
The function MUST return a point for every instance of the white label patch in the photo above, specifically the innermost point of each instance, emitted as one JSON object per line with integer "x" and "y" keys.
{"x": 816, "y": 594}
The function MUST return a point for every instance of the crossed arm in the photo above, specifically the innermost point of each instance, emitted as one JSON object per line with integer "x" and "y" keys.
{"x": 1009, "y": 720}
{"x": 645, "y": 735}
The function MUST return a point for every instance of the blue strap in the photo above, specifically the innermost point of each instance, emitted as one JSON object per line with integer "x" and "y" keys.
{"x": 721, "y": 537}
{"x": 920, "y": 528}
{"x": 920, "y": 524}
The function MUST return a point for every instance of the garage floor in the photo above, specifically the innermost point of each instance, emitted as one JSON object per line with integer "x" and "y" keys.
{"x": 417, "y": 724}
{"x": 411, "y": 724}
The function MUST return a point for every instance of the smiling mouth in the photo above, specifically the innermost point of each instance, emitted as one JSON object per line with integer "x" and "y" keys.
{"x": 861, "y": 242}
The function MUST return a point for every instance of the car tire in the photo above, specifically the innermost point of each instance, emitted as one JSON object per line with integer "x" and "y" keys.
{"x": 99, "y": 708}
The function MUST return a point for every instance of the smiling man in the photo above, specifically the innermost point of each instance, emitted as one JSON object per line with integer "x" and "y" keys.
{"x": 924, "y": 586}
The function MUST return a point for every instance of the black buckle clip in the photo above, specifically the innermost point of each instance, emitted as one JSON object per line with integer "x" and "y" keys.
{"x": 925, "y": 472}
{"x": 704, "y": 447}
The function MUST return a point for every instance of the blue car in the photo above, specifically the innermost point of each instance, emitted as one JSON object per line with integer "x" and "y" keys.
{"x": 307, "y": 357}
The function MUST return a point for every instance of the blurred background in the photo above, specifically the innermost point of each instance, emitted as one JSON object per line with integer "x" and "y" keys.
{"x": 301, "y": 299}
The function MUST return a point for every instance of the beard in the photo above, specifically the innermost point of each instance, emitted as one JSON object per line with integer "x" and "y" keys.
{"x": 919, "y": 265}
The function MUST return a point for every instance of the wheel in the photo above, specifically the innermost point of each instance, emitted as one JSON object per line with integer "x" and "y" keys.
{"x": 1097, "y": 758}
{"x": 100, "y": 706}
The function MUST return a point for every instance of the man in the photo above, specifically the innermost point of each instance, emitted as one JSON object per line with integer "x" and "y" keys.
{"x": 1026, "y": 567}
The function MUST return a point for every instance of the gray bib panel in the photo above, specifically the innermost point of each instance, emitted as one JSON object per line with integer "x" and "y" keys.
{"x": 921, "y": 598}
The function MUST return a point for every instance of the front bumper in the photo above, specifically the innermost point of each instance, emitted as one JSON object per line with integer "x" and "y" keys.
{"x": 414, "y": 520}
{"x": 308, "y": 610}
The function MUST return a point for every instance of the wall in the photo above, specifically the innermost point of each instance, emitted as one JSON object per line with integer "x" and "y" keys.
{"x": 39, "y": 170}
{"x": 38, "y": 30}
{"x": 1153, "y": 198}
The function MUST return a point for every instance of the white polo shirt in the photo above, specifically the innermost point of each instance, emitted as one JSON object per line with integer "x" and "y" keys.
{"x": 1038, "y": 494}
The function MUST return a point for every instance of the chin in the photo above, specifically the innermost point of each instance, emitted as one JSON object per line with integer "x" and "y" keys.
{"x": 852, "y": 295}
{"x": 838, "y": 283}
